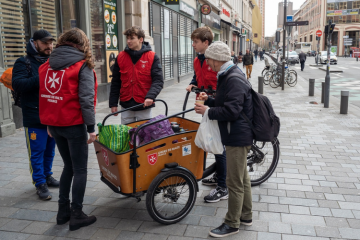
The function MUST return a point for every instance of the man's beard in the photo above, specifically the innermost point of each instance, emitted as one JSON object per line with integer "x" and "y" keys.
{"x": 42, "y": 52}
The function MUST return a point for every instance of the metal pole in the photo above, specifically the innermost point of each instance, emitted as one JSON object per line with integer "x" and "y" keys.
{"x": 322, "y": 91}
{"x": 284, "y": 43}
{"x": 344, "y": 102}
{"x": 261, "y": 85}
{"x": 327, "y": 77}
{"x": 311, "y": 87}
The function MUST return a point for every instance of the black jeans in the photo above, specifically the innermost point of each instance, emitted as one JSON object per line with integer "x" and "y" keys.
{"x": 72, "y": 144}
{"x": 302, "y": 65}
{"x": 221, "y": 169}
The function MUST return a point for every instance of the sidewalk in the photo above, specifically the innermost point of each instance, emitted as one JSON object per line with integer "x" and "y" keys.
{"x": 314, "y": 194}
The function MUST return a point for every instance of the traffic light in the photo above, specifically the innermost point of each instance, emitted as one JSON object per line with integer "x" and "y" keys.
{"x": 332, "y": 27}
{"x": 277, "y": 36}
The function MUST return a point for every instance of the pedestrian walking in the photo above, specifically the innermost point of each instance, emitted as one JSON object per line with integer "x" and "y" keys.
{"x": 248, "y": 61}
{"x": 25, "y": 81}
{"x": 302, "y": 58}
{"x": 68, "y": 89}
{"x": 351, "y": 52}
{"x": 234, "y": 57}
{"x": 256, "y": 52}
{"x": 240, "y": 53}
{"x": 136, "y": 78}
{"x": 233, "y": 97}
{"x": 204, "y": 77}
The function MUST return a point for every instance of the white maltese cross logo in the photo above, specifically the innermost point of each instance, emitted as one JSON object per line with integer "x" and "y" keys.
{"x": 53, "y": 80}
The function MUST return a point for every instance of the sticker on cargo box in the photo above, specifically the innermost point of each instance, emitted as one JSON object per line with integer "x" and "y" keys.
{"x": 152, "y": 158}
{"x": 105, "y": 155}
{"x": 186, "y": 150}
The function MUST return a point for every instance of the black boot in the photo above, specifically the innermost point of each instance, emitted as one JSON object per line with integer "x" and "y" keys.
{"x": 79, "y": 219}
{"x": 64, "y": 213}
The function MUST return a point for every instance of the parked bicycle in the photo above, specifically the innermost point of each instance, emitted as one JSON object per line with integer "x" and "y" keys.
{"x": 290, "y": 78}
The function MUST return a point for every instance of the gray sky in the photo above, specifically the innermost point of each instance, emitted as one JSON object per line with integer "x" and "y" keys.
{"x": 271, "y": 11}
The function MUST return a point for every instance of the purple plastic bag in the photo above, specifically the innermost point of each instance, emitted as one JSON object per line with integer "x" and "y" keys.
{"x": 152, "y": 132}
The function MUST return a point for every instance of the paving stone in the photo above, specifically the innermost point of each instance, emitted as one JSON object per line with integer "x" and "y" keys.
{"x": 34, "y": 215}
{"x": 106, "y": 234}
{"x": 328, "y": 204}
{"x": 314, "y": 195}
{"x": 354, "y": 223}
{"x": 211, "y": 221}
{"x": 291, "y": 175}
{"x": 7, "y": 211}
{"x": 57, "y": 230}
{"x": 197, "y": 231}
{"x": 327, "y": 184}
{"x": 259, "y": 206}
{"x": 276, "y": 192}
{"x": 151, "y": 236}
{"x": 297, "y": 237}
{"x": 342, "y": 213}
{"x": 325, "y": 212}
{"x": 179, "y": 238}
{"x": 279, "y": 227}
{"x": 334, "y": 197}
{"x": 269, "y": 217}
{"x": 122, "y": 213}
{"x": 299, "y": 210}
{"x": 37, "y": 227}
{"x": 83, "y": 233}
{"x": 301, "y": 219}
{"x": 349, "y": 205}
{"x": 106, "y": 222}
{"x": 40, "y": 237}
{"x": 303, "y": 230}
{"x": 269, "y": 199}
{"x": 127, "y": 235}
{"x": 15, "y": 225}
{"x": 349, "y": 233}
{"x": 295, "y": 194}
{"x": 13, "y": 235}
{"x": 155, "y": 227}
{"x": 257, "y": 226}
{"x": 322, "y": 189}
{"x": 336, "y": 222}
{"x": 293, "y": 181}
{"x": 327, "y": 232}
{"x": 298, "y": 201}
{"x": 356, "y": 214}
{"x": 192, "y": 219}
{"x": 3, "y": 221}
{"x": 279, "y": 208}
{"x": 268, "y": 236}
{"x": 129, "y": 225}
{"x": 201, "y": 210}
{"x": 220, "y": 212}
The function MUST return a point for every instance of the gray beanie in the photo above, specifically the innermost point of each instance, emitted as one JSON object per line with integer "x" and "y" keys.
{"x": 218, "y": 51}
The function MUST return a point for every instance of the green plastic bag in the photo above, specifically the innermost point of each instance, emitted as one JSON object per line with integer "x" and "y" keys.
{"x": 115, "y": 137}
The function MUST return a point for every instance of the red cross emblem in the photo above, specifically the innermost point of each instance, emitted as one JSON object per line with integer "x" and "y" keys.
{"x": 53, "y": 80}
{"x": 105, "y": 155}
{"x": 152, "y": 158}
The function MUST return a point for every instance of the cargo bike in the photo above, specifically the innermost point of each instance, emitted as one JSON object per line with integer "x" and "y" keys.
{"x": 168, "y": 169}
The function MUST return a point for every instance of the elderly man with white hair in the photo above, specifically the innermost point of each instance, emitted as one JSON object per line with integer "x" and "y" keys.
{"x": 233, "y": 96}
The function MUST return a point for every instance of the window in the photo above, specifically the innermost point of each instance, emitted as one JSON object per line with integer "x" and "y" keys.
{"x": 331, "y": 6}
{"x": 342, "y": 5}
{"x": 356, "y": 4}
{"x": 355, "y": 19}
{"x": 311, "y": 38}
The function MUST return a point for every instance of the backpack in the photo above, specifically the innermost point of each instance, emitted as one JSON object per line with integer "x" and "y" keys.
{"x": 265, "y": 124}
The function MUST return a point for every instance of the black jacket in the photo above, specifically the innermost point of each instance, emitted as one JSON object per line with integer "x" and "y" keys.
{"x": 233, "y": 95}
{"x": 156, "y": 76}
{"x": 28, "y": 87}
{"x": 65, "y": 56}
{"x": 302, "y": 57}
{"x": 248, "y": 59}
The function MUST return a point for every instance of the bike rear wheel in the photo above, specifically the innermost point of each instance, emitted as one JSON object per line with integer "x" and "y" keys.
{"x": 274, "y": 82}
{"x": 292, "y": 79}
{"x": 262, "y": 161}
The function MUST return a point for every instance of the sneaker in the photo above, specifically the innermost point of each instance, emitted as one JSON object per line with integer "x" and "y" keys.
{"x": 246, "y": 222}
{"x": 217, "y": 194}
{"x": 52, "y": 182}
{"x": 213, "y": 181}
{"x": 43, "y": 192}
{"x": 223, "y": 231}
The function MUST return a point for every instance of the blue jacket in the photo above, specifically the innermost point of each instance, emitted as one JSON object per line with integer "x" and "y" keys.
{"x": 28, "y": 85}
{"x": 233, "y": 96}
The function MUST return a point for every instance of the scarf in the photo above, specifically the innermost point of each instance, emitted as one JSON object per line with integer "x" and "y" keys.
{"x": 38, "y": 57}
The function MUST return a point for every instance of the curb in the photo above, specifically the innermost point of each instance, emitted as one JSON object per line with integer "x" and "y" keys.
{"x": 331, "y": 71}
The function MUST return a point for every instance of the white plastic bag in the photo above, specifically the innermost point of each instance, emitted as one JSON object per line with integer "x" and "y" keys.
{"x": 208, "y": 136}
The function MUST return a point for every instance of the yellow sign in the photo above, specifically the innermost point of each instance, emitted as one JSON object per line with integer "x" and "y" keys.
{"x": 248, "y": 40}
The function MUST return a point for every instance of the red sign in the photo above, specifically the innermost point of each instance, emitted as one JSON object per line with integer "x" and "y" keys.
{"x": 152, "y": 158}
{"x": 206, "y": 9}
{"x": 226, "y": 12}
{"x": 318, "y": 33}
{"x": 105, "y": 155}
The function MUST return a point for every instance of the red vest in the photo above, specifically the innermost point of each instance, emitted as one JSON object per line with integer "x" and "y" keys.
{"x": 205, "y": 76}
{"x": 135, "y": 79}
{"x": 59, "y": 95}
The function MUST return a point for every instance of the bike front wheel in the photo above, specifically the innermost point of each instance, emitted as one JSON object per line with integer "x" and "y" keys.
{"x": 262, "y": 161}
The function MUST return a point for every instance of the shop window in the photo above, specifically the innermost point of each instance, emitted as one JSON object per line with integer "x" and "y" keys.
{"x": 43, "y": 16}
{"x": 356, "y": 4}
{"x": 69, "y": 14}
{"x": 98, "y": 42}
{"x": 355, "y": 19}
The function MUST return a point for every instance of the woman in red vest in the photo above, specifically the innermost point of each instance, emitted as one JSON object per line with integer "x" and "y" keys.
{"x": 68, "y": 89}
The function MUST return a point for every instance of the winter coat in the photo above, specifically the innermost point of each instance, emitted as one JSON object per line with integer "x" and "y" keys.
{"x": 302, "y": 57}
{"x": 233, "y": 96}
{"x": 66, "y": 56}
{"x": 248, "y": 59}
{"x": 156, "y": 75}
{"x": 27, "y": 85}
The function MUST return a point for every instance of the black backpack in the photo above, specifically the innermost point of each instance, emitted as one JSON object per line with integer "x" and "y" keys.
{"x": 17, "y": 95}
{"x": 265, "y": 124}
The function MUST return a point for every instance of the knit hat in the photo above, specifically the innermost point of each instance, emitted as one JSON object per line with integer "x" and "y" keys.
{"x": 218, "y": 51}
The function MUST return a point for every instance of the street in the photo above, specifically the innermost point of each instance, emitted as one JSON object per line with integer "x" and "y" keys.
{"x": 314, "y": 193}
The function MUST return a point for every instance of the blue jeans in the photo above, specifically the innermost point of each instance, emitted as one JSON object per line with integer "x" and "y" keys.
{"x": 221, "y": 169}
{"x": 255, "y": 57}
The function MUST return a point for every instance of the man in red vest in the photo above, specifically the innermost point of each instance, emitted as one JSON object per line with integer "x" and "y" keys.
{"x": 137, "y": 78}
{"x": 205, "y": 77}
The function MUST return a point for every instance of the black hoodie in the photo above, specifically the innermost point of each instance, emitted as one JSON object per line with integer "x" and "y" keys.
{"x": 156, "y": 76}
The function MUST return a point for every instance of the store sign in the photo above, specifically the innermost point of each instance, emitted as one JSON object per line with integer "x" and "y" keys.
{"x": 226, "y": 12}
{"x": 255, "y": 35}
{"x": 243, "y": 31}
{"x": 187, "y": 9}
{"x": 111, "y": 34}
{"x": 342, "y": 12}
{"x": 172, "y": 2}
{"x": 206, "y": 9}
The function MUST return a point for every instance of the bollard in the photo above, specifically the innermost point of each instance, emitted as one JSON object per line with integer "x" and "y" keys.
{"x": 311, "y": 87}
{"x": 261, "y": 85}
{"x": 322, "y": 91}
{"x": 344, "y": 102}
